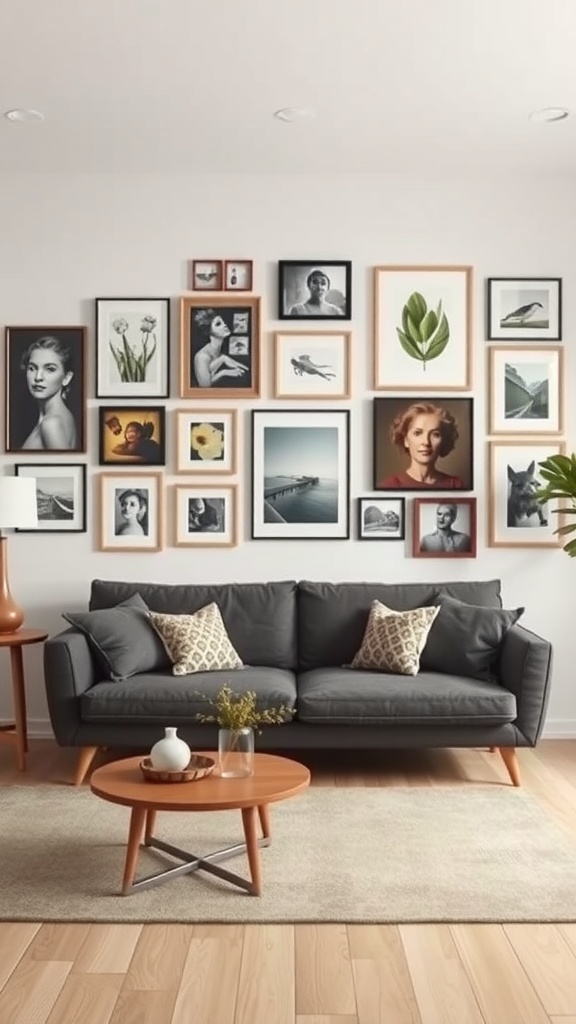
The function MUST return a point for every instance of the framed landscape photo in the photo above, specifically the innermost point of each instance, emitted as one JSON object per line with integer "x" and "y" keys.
{"x": 205, "y": 516}
{"x": 132, "y": 435}
{"x": 444, "y": 528}
{"x": 524, "y": 309}
{"x": 60, "y": 496}
{"x": 300, "y": 474}
{"x": 314, "y": 289}
{"x": 238, "y": 275}
{"x": 130, "y": 511}
{"x": 45, "y": 397}
{"x": 206, "y": 441}
{"x": 381, "y": 518}
{"x": 516, "y": 519}
{"x": 526, "y": 389}
{"x": 423, "y": 443}
{"x": 220, "y": 347}
{"x": 423, "y": 328}
{"x": 207, "y": 275}
{"x": 312, "y": 364}
{"x": 132, "y": 348}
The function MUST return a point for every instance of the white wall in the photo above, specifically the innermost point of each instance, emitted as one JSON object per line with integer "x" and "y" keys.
{"x": 66, "y": 240}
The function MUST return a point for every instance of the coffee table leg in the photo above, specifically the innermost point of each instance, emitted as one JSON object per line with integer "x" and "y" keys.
{"x": 264, "y": 815}
{"x": 150, "y": 822}
{"x": 137, "y": 820}
{"x": 249, "y": 821}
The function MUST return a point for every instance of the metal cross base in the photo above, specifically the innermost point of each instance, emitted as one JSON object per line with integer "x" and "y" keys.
{"x": 195, "y": 863}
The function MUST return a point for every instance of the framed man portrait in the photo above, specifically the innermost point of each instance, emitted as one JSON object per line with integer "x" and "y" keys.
{"x": 220, "y": 347}
{"x": 314, "y": 290}
{"x": 444, "y": 528}
{"x": 423, "y": 444}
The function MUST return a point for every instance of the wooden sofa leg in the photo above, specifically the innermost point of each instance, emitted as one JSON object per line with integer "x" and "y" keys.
{"x": 510, "y": 758}
{"x": 85, "y": 758}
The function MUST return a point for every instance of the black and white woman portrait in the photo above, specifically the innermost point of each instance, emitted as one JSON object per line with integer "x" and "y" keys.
{"x": 45, "y": 402}
{"x": 220, "y": 347}
{"x": 314, "y": 291}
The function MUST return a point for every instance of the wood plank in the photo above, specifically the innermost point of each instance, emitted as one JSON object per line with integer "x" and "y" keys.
{"x": 32, "y": 990}
{"x": 159, "y": 957}
{"x": 384, "y": 990}
{"x": 15, "y": 938}
{"x": 144, "y": 1008}
{"x": 209, "y": 982}
{"x": 442, "y": 988}
{"x": 549, "y": 962}
{"x": 59, "y": 941}
{"x": 89, "y": 998}
{"x": 108, "y": 949}
{"x": 266, "y": 983}
{"x": 323, "y": 970}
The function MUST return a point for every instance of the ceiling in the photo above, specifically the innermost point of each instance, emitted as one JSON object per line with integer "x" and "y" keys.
{"x": 398, "y": 86}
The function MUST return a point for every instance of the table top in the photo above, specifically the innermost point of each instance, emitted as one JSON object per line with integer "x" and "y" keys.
{"x": 275, "y": 778}
{"x": 22, "y": 636}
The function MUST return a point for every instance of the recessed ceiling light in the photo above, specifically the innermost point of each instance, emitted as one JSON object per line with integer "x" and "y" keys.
{"x": 550, "y": 114}
{"x": 294, "y": 114}
{"x": 23, "y": 115}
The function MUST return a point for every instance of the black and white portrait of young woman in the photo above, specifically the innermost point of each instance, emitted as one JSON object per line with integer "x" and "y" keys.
{"x": 45, "y": 400}
{"x": 314, "y": 291}
{"x": 220, "y": 347}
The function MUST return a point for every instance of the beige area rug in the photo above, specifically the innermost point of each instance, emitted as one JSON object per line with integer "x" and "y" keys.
{"x": 463, "y": 853}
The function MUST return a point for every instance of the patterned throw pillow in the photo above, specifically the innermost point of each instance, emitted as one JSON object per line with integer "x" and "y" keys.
{"x": 393, "y": 641}
{"x": 196, "y": 643}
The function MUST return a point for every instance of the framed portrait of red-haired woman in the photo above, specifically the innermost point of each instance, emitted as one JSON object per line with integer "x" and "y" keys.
{"x": 423, "y": 443}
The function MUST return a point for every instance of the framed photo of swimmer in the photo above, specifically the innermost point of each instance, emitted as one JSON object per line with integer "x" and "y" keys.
{"x": 205, "y": 516}
{"x": 381, "y": 518}
{"x": 206, "y": 441}
{"x": 423, "y": 443}
{"x": 300, "y": 474}
{"x": 220, "y": 346}
{"x": 132, "y": 348}
{"x": 524, "y": 309}
{"x": 60, "y": 496}
{"x": 444, "y": 528}
{"x": 131, "y": 514}
{"x": 132, "y": 435}
{"x": 423, "y": 328}
{"x": 515, "y": 518}
{"x": 312, "y": 364}
{"x": 526, "y": 389}
{"x": 45, "y": 390}
{"x": 314, "y": 290}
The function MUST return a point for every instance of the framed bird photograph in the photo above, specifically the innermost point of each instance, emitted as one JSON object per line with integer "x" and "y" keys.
{"x": 524, "y": 309}
{"x": 312, "y": 364}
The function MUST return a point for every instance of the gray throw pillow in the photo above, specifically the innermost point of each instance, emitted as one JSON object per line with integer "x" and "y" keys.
{"x": 465, "y": 639}
{"x": 122, "y": 638}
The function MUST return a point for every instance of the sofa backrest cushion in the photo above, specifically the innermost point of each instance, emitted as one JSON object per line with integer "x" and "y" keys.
{"x": 332, "y": 617}
{"x": 465, "y": 639}
{"x": 260, "y": 618}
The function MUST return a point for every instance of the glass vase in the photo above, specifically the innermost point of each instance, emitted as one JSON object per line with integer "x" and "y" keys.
{"x": 236, "y": 753}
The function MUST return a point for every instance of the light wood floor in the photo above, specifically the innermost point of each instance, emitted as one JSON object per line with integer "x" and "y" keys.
{"x": 304, "y": 974}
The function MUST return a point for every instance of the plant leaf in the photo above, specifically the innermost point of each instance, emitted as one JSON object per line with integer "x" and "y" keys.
{"x": 417, "y": 307}
{"x": 410, "y": 348}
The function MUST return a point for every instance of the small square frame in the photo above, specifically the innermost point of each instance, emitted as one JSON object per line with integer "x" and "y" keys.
{"x": 206, "y": 441}
{"x": 293, "y": 290}
{"x": 507, "y": 296}
{"x": 217, "y": 523}
{"x": 526, "y": 389}
{"x": 133, "y": 348}
{"x": 206, "y": 275}
{"x": 312, "y": 364}
{"x": 238, "y": 275}
{"x": 381, "y": 518}
{"x": 203, "y": 370}
{"x": 430, "y": 542}
{"x": 145, "y": 444}
{"x": 60, "y": 496}
{"x": 514, "y": 519}
{"x": 117, "y": 533}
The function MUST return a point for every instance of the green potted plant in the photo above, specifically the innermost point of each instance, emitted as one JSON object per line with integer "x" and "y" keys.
{"x": 559, "y": 472}
{"x": 237, "y": 716}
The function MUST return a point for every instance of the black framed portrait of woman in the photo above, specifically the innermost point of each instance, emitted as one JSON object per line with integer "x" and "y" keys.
{"x": 45, "y": 389}
{"x": 314, "y": 290}
{"x": 423, "y": 444}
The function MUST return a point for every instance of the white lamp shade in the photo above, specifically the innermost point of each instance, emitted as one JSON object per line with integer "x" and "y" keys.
{"x": 18, "y": 506}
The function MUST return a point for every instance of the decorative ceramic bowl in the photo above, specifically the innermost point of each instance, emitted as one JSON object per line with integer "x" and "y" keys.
{"x": 198, "y": 768}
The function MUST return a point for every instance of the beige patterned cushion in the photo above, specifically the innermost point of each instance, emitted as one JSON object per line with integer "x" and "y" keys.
{"x": 196, "y": 643}
{"x": 393, "y": 641}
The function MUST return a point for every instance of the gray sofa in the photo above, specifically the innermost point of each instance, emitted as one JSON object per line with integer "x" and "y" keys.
{"x": 483, "y": 678}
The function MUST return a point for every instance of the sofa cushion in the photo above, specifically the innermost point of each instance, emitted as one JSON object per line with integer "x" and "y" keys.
{"x": 122, "y": 638}
{"x": 466, "y": 639}
{"x": 393, "y": 640}
{"x": 196, "y": 643}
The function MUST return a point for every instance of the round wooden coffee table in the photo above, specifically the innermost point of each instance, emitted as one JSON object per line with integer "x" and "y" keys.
{"x": 274, "y": 778}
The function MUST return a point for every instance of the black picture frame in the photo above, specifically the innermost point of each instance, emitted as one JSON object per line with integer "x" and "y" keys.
{"x": 524, "y": 309}
{"x": 293, "y": 290}
{"x": 60, "y": 496}
{"x": 381, "y": 518}
{"x": 132, "y": 435}
{"x": 391, "y": 460}
{"x": 62, "y": 358}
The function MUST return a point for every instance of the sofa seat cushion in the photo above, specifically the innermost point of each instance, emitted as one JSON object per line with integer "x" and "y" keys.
{"x": 341, "y": 696}
{"x": 160, "y": 697}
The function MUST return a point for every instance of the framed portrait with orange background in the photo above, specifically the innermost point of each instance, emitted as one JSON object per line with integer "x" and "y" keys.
{"x": 423, "y": 443}
{"x": 132, "y": 435}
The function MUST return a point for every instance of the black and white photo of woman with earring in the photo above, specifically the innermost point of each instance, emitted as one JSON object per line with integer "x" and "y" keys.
{"x": 45, "y": 389}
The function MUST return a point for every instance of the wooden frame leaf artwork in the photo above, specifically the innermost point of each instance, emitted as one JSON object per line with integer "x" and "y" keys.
{"x": 220, "y": 346}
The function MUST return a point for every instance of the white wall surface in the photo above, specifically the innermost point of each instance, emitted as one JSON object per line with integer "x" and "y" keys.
{"x": 66, "y": 240}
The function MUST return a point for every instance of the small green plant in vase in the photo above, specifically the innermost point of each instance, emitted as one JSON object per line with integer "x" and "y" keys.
{"x": 237, "y": 716}
{"x": 559, "y": 472}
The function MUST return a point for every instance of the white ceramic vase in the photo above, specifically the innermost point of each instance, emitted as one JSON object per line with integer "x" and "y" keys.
{"x": 170, "y": 754}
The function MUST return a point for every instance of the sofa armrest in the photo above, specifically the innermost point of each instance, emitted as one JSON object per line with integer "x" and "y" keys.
{"x": 69, "y": 670}
{"x": 524, "y": 668}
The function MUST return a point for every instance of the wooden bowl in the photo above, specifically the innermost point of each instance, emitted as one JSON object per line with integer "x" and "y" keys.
{"x": 198, "y": 768}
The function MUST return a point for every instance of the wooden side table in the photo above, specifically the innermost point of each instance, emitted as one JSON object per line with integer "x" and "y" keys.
{"x": 17, "y": 733}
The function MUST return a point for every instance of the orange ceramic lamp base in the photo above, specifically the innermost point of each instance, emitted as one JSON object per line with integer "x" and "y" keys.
{"x": 11, "y": 616}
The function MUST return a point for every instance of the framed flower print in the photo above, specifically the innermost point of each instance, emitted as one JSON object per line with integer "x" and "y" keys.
{"x": 206, "y": 441}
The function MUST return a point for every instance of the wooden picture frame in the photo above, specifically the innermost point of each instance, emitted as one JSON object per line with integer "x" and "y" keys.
{"x": 302, "y": 295}
{"x": 524, "y": 309}
{"x": 422, "y": 328}
{"x": 45, "y": 390}
{"x": 406, "y": 456}
{"x": 131, "y": 514}
{"x": 516, "y": 519}
{"x": 312, "y": 364}
{"x": 381, "y": 518}
{"x": 206, "y": 441}
{"x": 132, "y": 435}
{"x": 444, "y": 527}
{"x": 206, "y": 516}
{"x": 60, "y": 496}
{"x": 207, "y": 275}
{"x": 238, "y": 275}
{"x": 526, "y": 389}
{"x": 132, "y": 348}
{"x": 220, "y": 346}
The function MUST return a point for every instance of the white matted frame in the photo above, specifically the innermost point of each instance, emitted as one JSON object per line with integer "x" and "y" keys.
{"x": 312, "y": 364}
{"x": 381, "y": 518}
{"x": 524, "y": 309}
{"x": 526, "y": 389}
{"x": 423, "y": 326}
{"x": 206, "y": 441}
{"x": 60, "y": 496}
{"x": 132, "y": 348}
{"x": 206, "y": 516}
{"x": 131, "y": 512}
{"x": 516, "y": 519}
